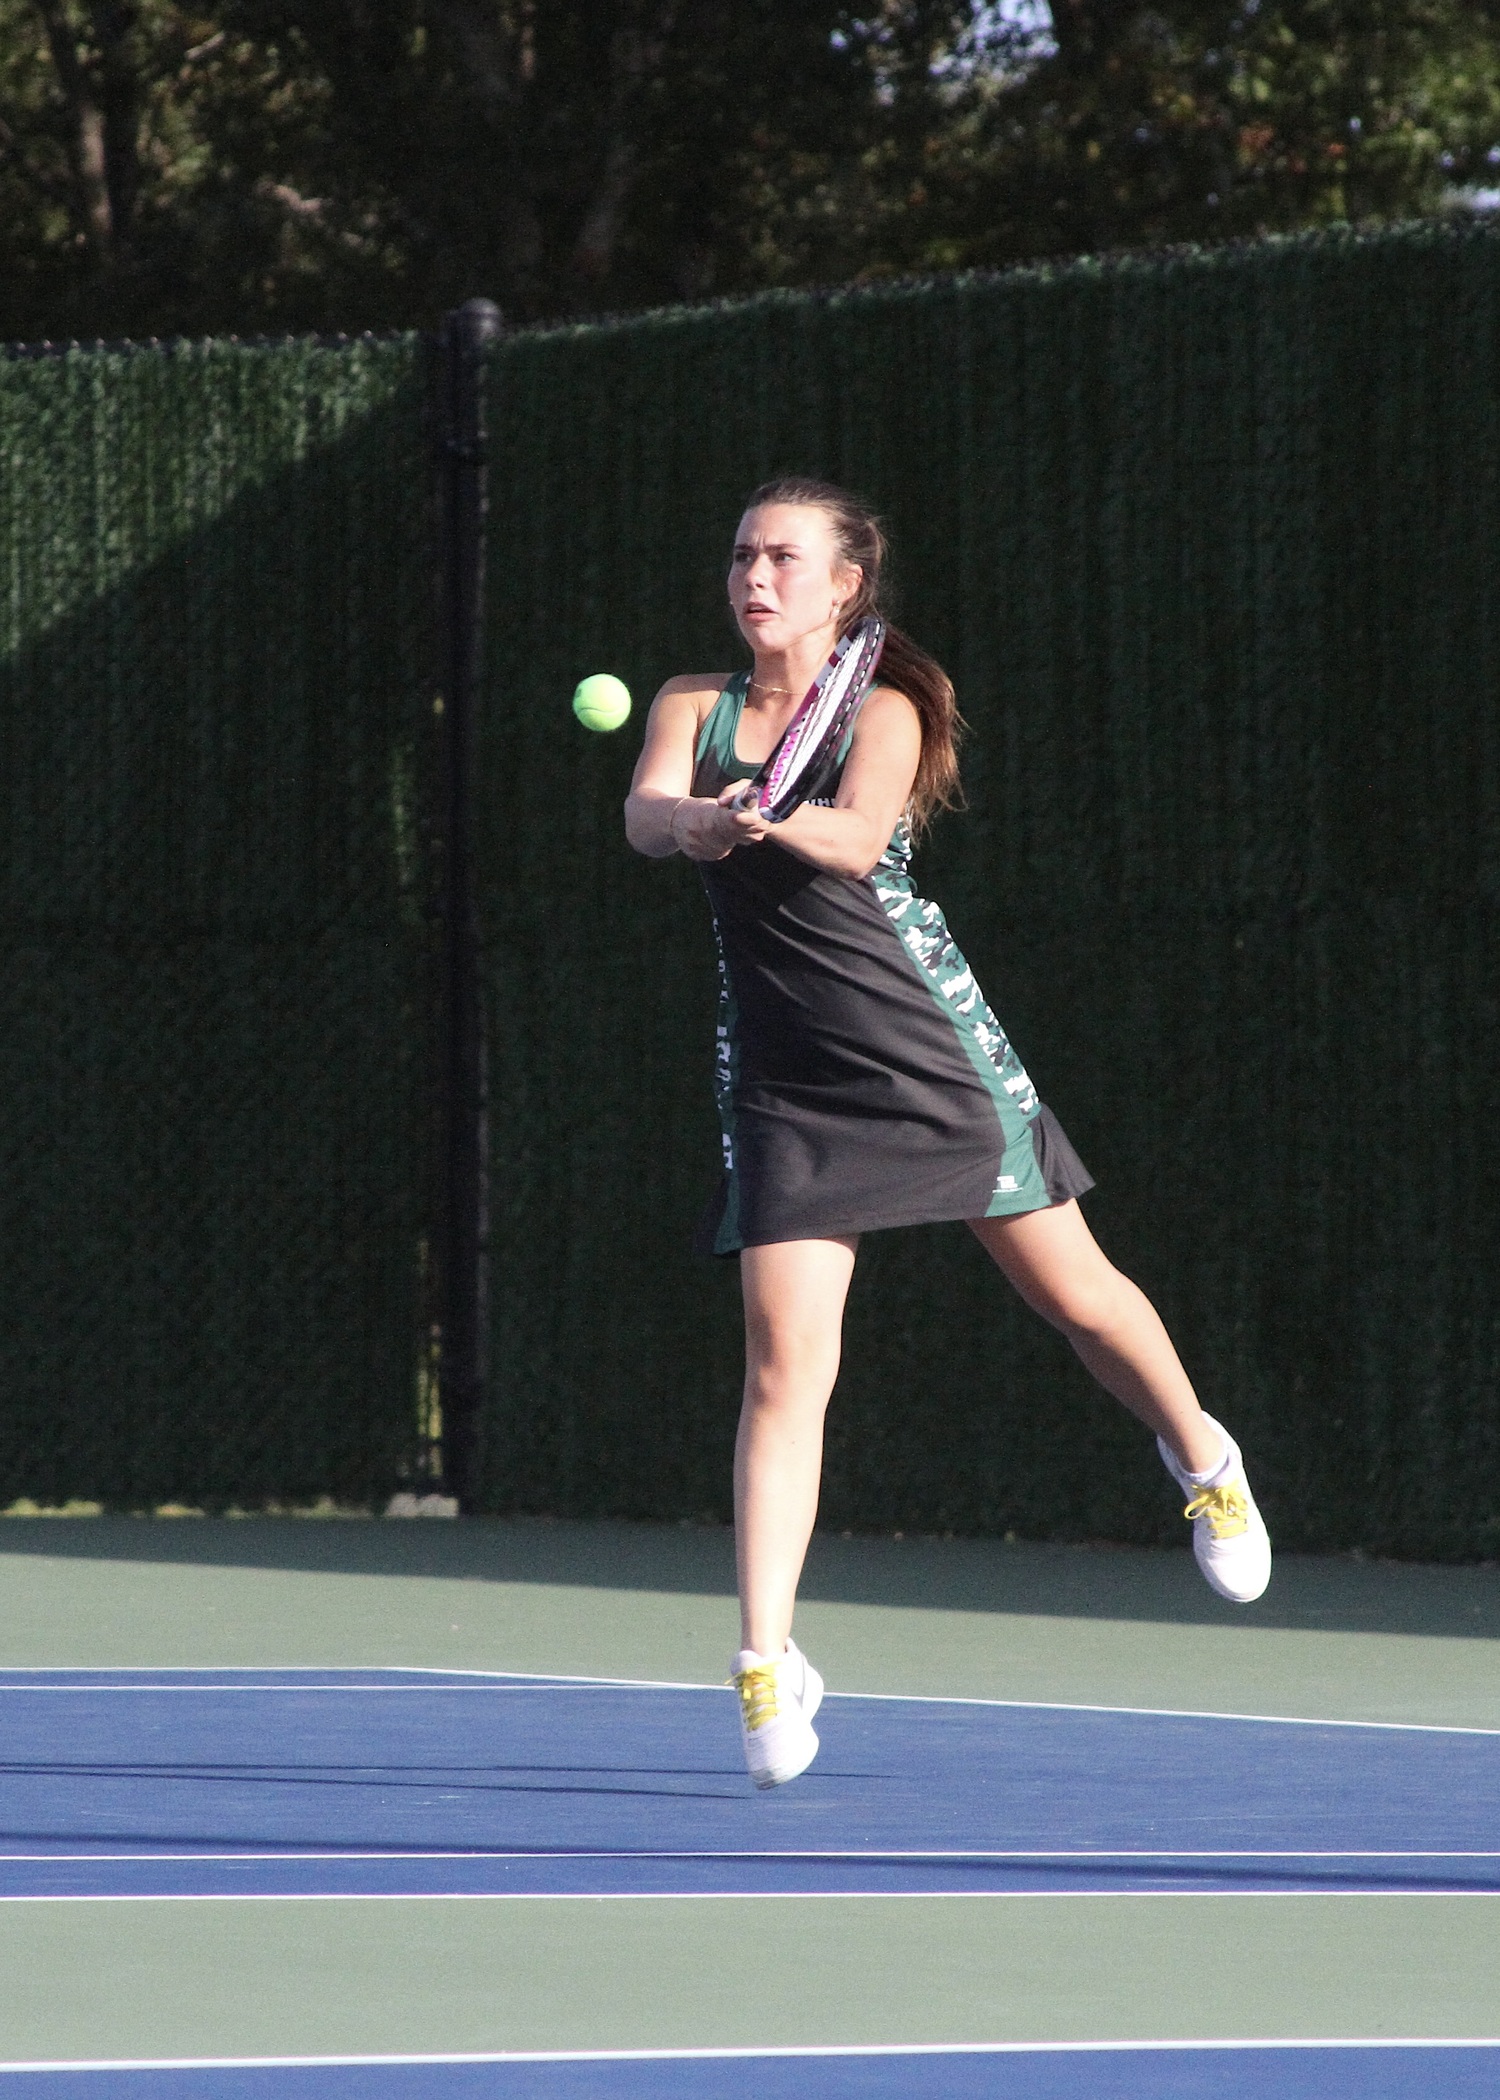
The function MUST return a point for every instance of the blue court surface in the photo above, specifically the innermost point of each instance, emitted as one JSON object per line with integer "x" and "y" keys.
{"x": 409, "y": 1783}
{"x": 1290, "y": 2071}
{"x": 262, "y": 1785}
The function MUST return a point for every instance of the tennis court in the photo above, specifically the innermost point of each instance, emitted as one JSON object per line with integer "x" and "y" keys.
{"x": 318, "y": 1808}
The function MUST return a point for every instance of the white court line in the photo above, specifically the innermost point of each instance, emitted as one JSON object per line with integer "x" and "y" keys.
{"x": 1164, "y": 1713}
{"x": 338, "y": 1674}
{"x": 481, "y": 1856}
{"x": 197, "y": 1691}
{"x": 535, "y": 1680}
{"x": 1321, "y": 1895}
{"x": 812, "y": 2049}
{"x": 305, "y": 1669}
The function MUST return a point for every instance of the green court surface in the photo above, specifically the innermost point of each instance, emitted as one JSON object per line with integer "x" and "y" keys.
{"x": 127, "y": 1977}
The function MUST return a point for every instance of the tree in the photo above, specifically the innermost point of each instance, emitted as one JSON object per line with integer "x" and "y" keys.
{"x": 233, "y": 165}
{"x": 264, "y": 163}
{"x": 1201, "y": 119}
{"x": 131, "y": 191}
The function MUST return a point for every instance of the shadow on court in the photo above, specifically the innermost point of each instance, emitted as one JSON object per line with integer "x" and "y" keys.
{"x": 1062, "y": 1581}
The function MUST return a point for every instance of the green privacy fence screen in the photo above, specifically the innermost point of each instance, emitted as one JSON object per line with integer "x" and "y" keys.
{"x": 1210, "y": 545}
{"x": 214, "y": 611}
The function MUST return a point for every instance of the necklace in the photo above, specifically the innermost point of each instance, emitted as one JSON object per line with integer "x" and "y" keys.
{"x": 755, "y": 684}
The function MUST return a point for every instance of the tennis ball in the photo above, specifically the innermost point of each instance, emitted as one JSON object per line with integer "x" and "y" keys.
{"x": 602, "y": 702}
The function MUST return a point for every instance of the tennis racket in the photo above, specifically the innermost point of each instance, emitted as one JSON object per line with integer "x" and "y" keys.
{"x": 800, "y": 766}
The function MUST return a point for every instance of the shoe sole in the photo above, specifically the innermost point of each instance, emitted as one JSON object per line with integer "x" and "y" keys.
{"x": 780, "y": 1774}
{"x": 1211, "y": 1577}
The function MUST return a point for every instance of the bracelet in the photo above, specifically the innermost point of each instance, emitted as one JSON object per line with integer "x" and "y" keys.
{"x": 672, "y": 821}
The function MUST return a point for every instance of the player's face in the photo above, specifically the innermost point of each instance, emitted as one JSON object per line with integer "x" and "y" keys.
{"x": 786, "y": 580}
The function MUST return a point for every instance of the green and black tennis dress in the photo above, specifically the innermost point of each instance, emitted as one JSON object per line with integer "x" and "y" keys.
{"x": 862, "y": 1081}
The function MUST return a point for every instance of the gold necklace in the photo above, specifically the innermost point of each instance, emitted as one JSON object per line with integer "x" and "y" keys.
{"x": 785, "y": 690}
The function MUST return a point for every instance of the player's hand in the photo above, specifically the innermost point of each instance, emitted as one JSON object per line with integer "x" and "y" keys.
{"x": 711, "y": 830}
{"x": 750, "y": 825}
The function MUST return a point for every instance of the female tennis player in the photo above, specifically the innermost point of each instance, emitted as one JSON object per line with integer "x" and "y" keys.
{"x": 862, "y": 1080}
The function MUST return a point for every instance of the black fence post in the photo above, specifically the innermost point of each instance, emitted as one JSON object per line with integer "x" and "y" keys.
{"x": 463, "y": 1222}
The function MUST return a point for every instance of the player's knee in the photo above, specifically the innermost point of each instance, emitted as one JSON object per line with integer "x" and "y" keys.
{"x": 789, "y": 1373}
{"x": 784, "y": 1346}
{"x": 1088, "y": 1309}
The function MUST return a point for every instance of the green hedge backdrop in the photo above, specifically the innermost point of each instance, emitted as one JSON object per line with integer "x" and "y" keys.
{"x": 215, "y": 624}
{"x": 1209, "y": 542}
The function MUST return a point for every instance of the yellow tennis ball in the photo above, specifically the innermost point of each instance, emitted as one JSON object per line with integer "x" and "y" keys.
{"x": 602, "y": 702}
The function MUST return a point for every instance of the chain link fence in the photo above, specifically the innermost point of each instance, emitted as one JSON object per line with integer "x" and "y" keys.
{"x": 215, "y": 678}
{"x": 1209, "y": 542}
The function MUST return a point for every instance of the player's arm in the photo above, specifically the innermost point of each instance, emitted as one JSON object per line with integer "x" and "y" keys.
{"x": 662, "y": 815}
{"x": 876, "y": 787}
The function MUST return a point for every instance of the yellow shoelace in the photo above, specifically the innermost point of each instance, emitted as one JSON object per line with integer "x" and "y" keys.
{"x": 1226, "y": 1508}
{"x": 757, "y": 1690}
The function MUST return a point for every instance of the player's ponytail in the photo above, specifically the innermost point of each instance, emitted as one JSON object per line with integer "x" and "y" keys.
{"x": 903, "y": 665}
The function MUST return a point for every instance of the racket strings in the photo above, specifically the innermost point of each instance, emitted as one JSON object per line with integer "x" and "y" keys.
{"x": 810, "y": 739}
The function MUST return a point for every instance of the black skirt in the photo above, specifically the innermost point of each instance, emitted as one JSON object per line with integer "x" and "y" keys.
{"x": 862, "y": 1080}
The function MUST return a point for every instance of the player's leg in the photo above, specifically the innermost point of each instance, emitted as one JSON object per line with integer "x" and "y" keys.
{"x": 794, "y": 1296}
{"x": 1062, "y": 1272}
{"x": 794, "y": 1312}
{"x": 1059, "y": 1268}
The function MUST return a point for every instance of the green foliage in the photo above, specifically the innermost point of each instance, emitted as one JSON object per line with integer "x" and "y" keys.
{"x": 253, "y": 163}
{"x": 122, "y": 210}
{"x": 190, "y": 166}
{"x": 1200, "y": 119}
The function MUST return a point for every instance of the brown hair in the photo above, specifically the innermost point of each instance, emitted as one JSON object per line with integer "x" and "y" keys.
{"x": 903, "y": 666}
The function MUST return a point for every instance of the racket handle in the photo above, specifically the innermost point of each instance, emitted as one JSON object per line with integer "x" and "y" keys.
{"x": 747, "y": 798}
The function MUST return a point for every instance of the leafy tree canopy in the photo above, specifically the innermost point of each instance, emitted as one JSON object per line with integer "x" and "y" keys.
{"x": 234, "y": 165}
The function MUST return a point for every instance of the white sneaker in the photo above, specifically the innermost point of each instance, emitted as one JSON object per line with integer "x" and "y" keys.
{"x": 777, "y": 1704}
{"x": 1230, "y": 1540}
